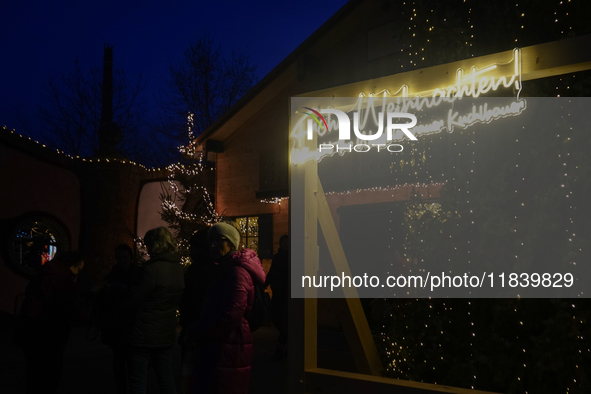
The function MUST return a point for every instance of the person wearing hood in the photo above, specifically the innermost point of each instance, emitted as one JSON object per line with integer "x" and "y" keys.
{"x": 221, "y": 337}
{"x": 153, "y": 304}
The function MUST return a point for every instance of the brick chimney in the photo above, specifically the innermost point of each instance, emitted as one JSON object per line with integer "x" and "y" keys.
{"x": 109, "y": 132}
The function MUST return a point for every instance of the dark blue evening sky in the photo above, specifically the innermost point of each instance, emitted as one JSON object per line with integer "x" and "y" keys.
{"x": 42, "y": 39}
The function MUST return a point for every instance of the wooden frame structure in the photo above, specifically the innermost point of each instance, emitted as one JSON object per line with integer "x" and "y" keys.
{"x": 307, "y": 195}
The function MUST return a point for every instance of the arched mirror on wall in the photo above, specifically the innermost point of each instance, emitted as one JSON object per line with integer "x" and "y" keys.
{"x": 32, "y": 240}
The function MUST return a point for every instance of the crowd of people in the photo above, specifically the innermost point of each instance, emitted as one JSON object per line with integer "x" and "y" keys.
{"x": 138, "y": 309}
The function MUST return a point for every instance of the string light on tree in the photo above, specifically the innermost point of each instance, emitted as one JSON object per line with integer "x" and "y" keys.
{"x": 187, "y": 205}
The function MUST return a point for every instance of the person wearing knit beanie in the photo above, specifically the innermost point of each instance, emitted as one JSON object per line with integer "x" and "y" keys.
{"x": 224, "y": 351}
{"x": 223, "y": 231}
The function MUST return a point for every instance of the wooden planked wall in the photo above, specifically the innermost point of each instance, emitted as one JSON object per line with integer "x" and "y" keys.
{"x": 238, "y": 167}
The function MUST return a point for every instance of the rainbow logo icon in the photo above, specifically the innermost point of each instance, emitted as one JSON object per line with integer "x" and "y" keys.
{"x": 316, "y": 117}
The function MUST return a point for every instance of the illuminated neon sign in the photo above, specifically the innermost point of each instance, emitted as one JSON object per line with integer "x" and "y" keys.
{"x": 384, "y": 106}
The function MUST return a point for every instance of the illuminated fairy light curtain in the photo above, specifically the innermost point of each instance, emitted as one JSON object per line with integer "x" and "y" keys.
{"x": 425, "y": 25}
{"x": 521, "y": 213}
{"x": 566, "y": 14}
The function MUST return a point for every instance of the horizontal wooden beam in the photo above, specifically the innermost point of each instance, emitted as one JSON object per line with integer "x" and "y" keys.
{"x": 537, "y": 61}
{"x": 556, "y": 58}
{"x": 327, "y": 381}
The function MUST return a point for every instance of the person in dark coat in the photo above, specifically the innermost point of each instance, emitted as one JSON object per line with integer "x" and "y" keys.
{"x": 111, "y": 316}
{"x": 278, "y": 279}
{"x": 197, "y": 278}
{"x": 221, "y": 336}
{"x": 196, "y": 282}
{"x": 50, "y": 308}
{"x": 153, "y": 303}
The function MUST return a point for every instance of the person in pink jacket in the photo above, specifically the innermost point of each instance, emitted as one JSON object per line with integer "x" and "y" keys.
{"x": 221, "y": 337}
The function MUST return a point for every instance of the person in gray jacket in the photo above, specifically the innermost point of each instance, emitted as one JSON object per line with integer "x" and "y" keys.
{"x": 153, "y": 303}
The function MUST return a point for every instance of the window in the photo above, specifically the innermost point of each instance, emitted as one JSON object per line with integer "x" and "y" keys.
{"x": 273, "y": 174}
{"x": 256, "y": 233}
{"x": 249, "y": 232}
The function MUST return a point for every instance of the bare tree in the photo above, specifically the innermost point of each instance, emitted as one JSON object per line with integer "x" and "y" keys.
{"x": 202, "y": 86}
{"x": 205, "y": 83}
{"x": 72, "y": 113}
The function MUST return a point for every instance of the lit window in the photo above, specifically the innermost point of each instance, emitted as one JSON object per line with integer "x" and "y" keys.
{"x": 256, "y": 233}
{"x": 249, "y": 232}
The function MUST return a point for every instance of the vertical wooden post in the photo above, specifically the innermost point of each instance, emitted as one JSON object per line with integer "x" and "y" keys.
{"x": 351, "y": 315}
{"x": 311, "y": 256}
{"x": 303, "y": 314}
